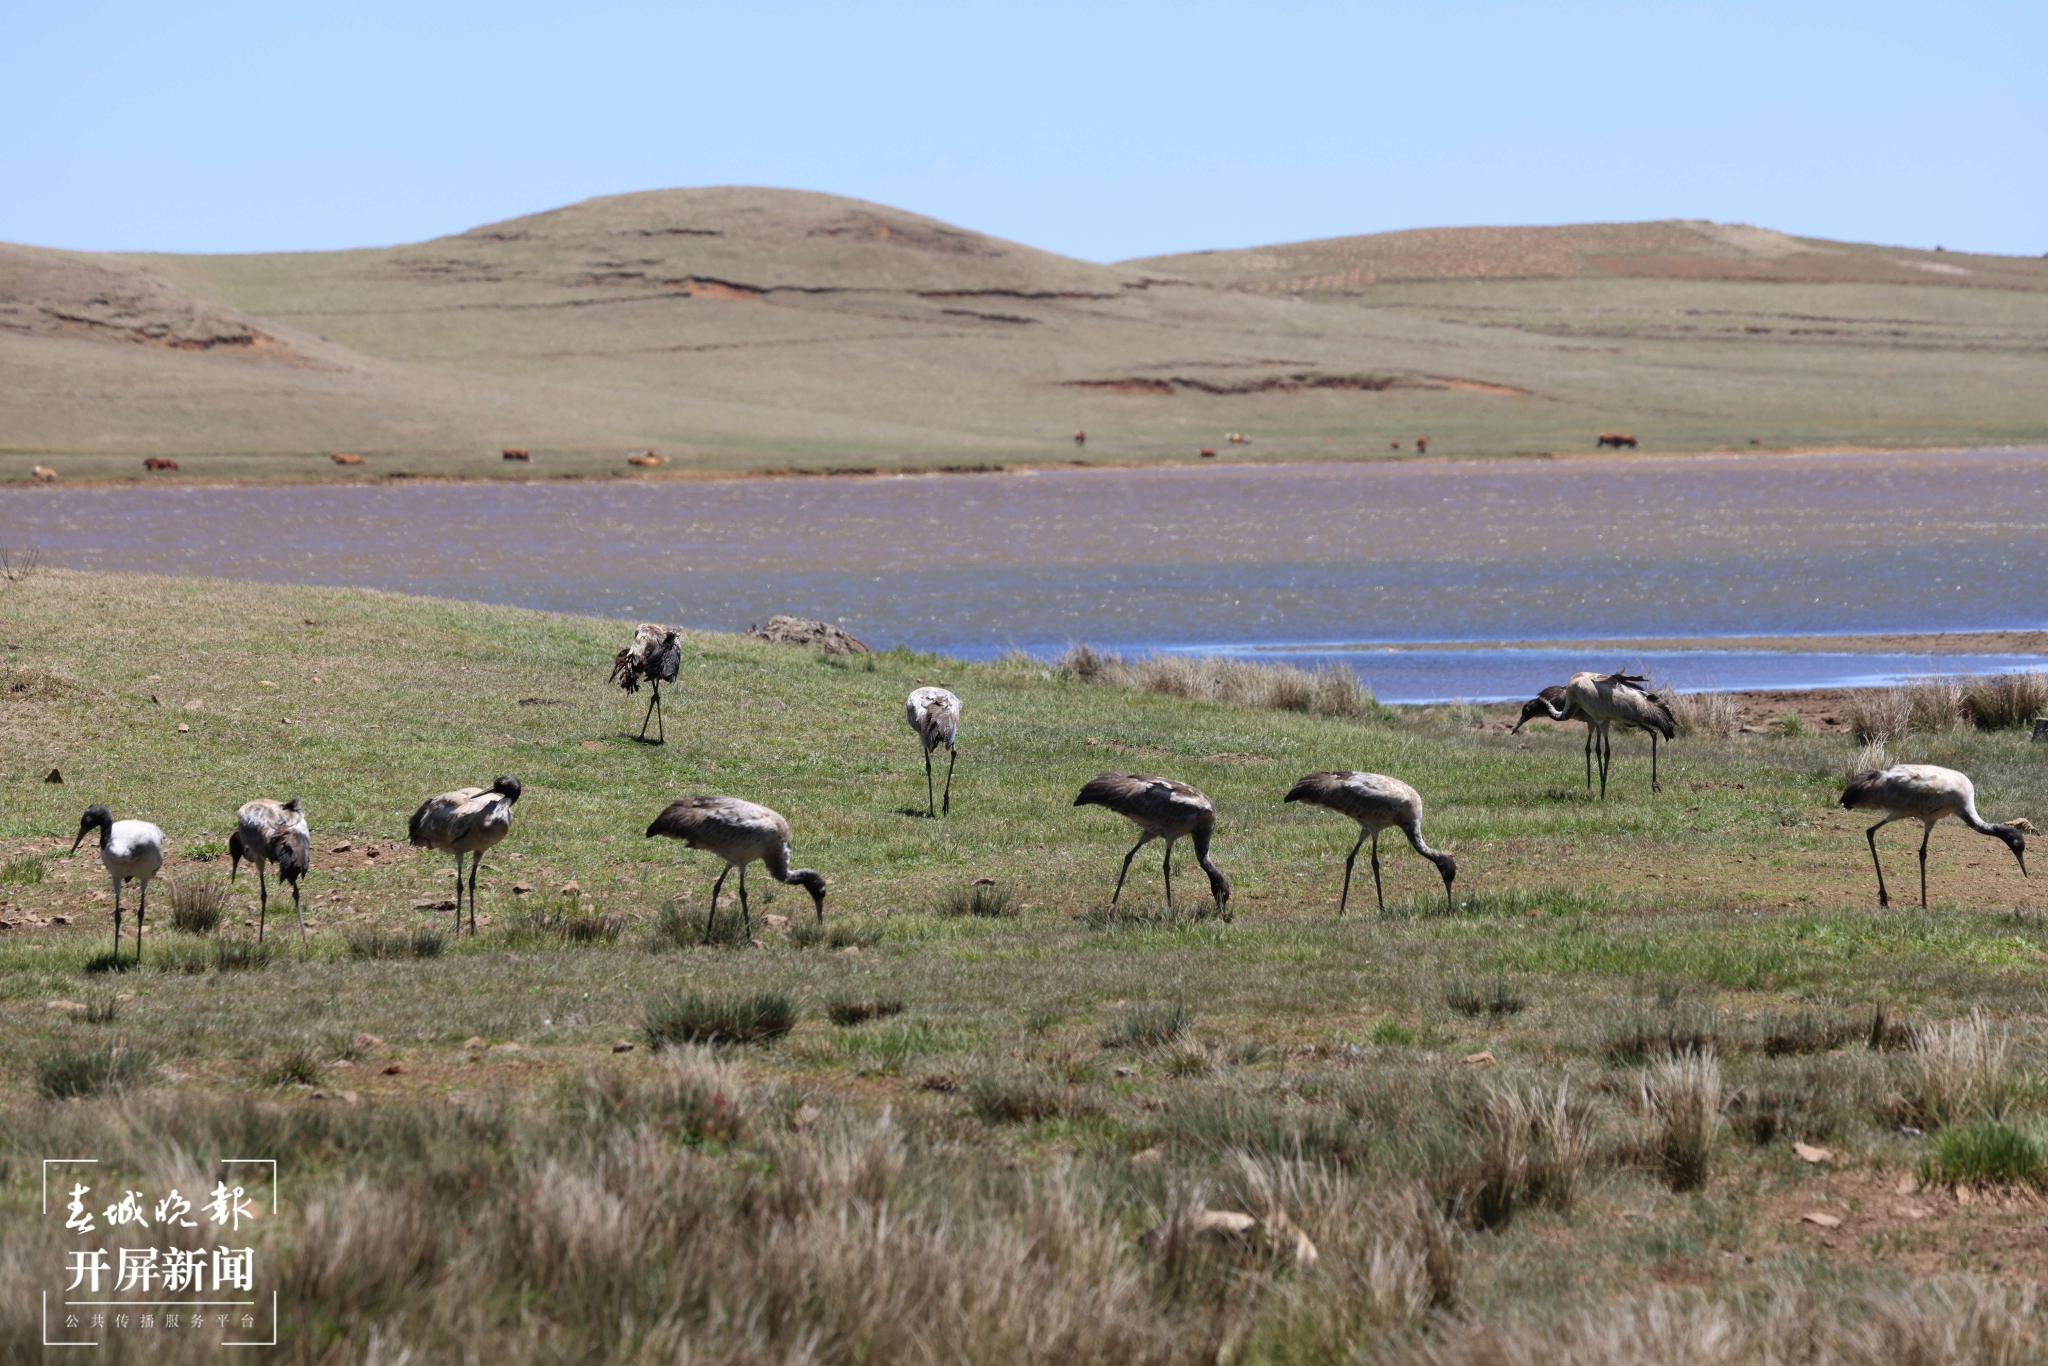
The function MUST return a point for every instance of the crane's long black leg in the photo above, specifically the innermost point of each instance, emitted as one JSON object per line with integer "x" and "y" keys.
{"x": 476, "y": 863}
{"x": 300, "y": 914}
{"x": 1653, "y": 763}
{"x": 746, "y": 916}
{"x": 1167, "y": 867}
{"x": 1125, "y": 871}
{"x": 1926, "y": 836}
{"x": 117, "y": 920}
{"x": 1884, "y": 898}
{"x": 660, "y": 718}
{"x": 651, "y": 705}
{"x": 1379, "y": 893}
{"x": 931, "y": 804}
{"x": 952, "y": 758}
{"x": 142, "y": 909}
{"x": 712, "y": 917}
{"x": 263, "y": 902}
{"x": 1606, "y": 758}
{"x": 1349, "y": 860}
{"x": 1589, "y": 756}
{"x": 458, "y": 894}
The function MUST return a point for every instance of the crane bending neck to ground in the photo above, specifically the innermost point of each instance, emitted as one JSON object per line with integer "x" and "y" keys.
{"x": 1930, "y": 795}
{"x": 1602, "y": 700}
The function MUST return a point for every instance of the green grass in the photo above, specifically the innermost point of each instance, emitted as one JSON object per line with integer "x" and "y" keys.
{"x": 1062, "y": 1080}
{"x": 1988, "y": 1152}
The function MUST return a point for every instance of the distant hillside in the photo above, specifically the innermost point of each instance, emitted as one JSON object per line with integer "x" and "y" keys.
{"x": 751, "y": 328}
{"x": 1671, "y": 250}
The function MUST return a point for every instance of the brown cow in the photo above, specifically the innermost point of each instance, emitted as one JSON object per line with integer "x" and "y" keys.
{"x": 516, "y": 453}
{"x": 1208, "y": 452}
{"x": 158, "y": 462}
{"x": 1393, "y": 445}
{"x": 1080, "y": 438}
{"x": 1238, "y": 439}
{"x": 46, "y": 474}
{"x": 344, "y": 458}
{"x": 647, "y": 460}
{"x": 1422, "y": 445}
{"x": 1616, "y": 440}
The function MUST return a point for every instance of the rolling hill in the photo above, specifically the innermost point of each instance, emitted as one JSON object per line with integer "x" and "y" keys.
{"x": 735, "y": 328}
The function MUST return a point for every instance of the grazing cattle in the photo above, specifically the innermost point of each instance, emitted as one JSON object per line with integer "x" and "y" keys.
{"x": 1422, "y": 445}
{"x": 1208, "y": 452}
{"x": 516, "y": 453}
{"x": 344, "y": 458}
{"x": 46, "y": 474}
{"x": 1393, "y": 445}
{"x": 1754, "y": 442}
{"x": 647, "y": 460}
{"x": 1080, "y": 438}
{"x": 158, "y": 462}
{"x": 1616, "y": 440}
{"x": 1238, "y": 439}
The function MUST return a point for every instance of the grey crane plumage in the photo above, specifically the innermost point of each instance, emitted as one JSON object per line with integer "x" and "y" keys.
{"x": 1929, "y": 794}
{"x": 654, "y": 657}
{"x": 1604, "y": 700}
{"x": 130, "y": 851}
{"x": 934, "y": 714}
{"x": 1377, "y": 803}
{"x": 1161, "y": 808}
{"x": 468, "y": 820}
{"x": 739, "y": 832}
{"x": 269, "y": 832}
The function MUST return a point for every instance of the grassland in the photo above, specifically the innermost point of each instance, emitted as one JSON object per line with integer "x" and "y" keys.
{"x": 742, "y": 329}
{"x": 1553, "y": 1124}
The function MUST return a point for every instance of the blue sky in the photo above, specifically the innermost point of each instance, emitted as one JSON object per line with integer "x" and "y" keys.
{"x": 1103, "y": 131}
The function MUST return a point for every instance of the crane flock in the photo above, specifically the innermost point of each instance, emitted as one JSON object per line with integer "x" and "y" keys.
{"x": 470, "y": 820}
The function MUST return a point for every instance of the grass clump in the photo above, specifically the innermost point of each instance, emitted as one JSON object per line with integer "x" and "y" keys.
{"x": 698, "y": 1017}
{"x": 1496, "y": 1001}
{"x": 982, "y": 901}
{"x": 847, "y": 1011}
{"x": 837, "y": 934}
{"x": 1708, "y": 714}
{"x": 2002, "y": 701}
{"x": 23, "y": 870}
{"x": 1809, "y": 1031}
{"x": 197, "y": 904}
{"x": 1150, "y": 1026}
{"x": 1988, "y": 1152}
{"x": 370, "y": 941}
{"x": 1960, "y": 1072}
{"x": 114, "y": 960}
{"x": 298, "y": 1065}
{"x": 1329, "y": 691}
{"x": 70, "y": 1070}
{"x": 1681, "y": 1095}
{"x": 1131, "y": 914}
{"x": 1664, "y": 1032}
{"x": 997, "y": 1098}
{"x": 99, "y": 1009}
{"x": 563, "y": 922}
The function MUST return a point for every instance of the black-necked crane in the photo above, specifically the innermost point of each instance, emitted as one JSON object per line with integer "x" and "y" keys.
{"x": 1928, "y": 794}
{"x": 1162, "y": 809}
{"x": 268, "y": 832}
{"x": 654, "y": 657}
{"x": 1377, "y": 803}
{"x": 739, "y": 832}
{"x": 1605, "y": 700}
{"x": 934, "y": 714}
{"x": 468, "y": 820}
{"x": 130, "y": 851}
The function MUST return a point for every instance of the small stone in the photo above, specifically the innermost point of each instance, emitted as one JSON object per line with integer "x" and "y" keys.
{"x": 571, "y": 889}
{"x": 983, "y": 882}
{"x": 265, "y": 683}
{"x": 621, "y": 1046}
{"x": 1908, "y": 1184}
{"x": 183, "y": 727}
{"x": 61, "y": 1004}
{"x": 1808, "y": 1153}
{"x": 850, "y": 951}
{"x": 1127, "y": 1071}
{"x": 473, "y": 1041}
{"x": 806, "y": 1117}
{"x": 521, "y": 888}
{"x": 341, "y": 848}
{"x": 342, "y": 1062}
{"x": 60, "y": 920}
{"x": 1480, "y": 1059}
{"x": 1147, "y": 1157}
{"x": 775, "y": 922}
{"x": 505, "y": 1048}
{"x": 394, "y": 1069}
{"x": 365, "y": 1041}
{"x": 1824, "y": 1220}
{"x": 371, "y": 851}
{"x": 443, "y": 905}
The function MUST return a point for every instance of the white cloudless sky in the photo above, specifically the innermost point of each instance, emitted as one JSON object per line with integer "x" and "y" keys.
{"x": 1101, "y": 130}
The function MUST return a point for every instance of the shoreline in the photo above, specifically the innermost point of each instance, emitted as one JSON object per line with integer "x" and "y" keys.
{"x": 389, "y": 478}
{"x": 2017, "y": 641}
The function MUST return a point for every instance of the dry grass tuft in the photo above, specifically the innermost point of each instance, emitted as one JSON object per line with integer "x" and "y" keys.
{"x": 1709, "y": 713}
{"x": 1961, "y": 1072}
{"x": 1328, "y": 691}
{"x": 1681, "y": 1094}
{"x": 2001, "y": 701}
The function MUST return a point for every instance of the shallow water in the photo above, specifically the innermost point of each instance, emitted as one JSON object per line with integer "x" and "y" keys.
{"x": 1219, "y": 558}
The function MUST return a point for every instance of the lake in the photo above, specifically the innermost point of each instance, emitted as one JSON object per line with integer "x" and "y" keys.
{"x": 1283, "y": 561}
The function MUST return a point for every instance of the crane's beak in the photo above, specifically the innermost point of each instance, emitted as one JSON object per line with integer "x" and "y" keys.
{"x": 81, "y": 839}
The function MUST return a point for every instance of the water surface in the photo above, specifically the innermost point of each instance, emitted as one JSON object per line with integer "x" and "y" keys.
{"x": 1216, "y": 559}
